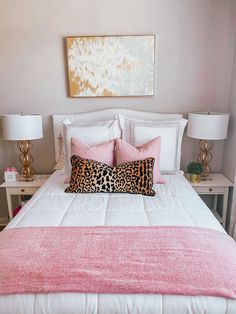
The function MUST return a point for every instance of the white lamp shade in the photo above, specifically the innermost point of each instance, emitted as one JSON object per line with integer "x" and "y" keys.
{"x": 208, "y": 125}
{"x": 17, "y": 127}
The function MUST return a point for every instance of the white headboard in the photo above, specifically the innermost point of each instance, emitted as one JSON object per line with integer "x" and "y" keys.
{"x": 102, "y": 115}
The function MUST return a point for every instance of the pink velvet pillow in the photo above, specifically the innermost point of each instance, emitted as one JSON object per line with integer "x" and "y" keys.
{"x": 102, "y": 152}
{"x": 127, "y": 153}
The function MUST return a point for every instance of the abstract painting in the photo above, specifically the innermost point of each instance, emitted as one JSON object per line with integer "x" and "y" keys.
{"x": 111, "y": 66}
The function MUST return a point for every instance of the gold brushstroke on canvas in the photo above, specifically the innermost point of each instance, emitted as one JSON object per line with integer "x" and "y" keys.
{"x": 125, "y": 65}
{"x": 77, "y": 85}
{"x": 107, "y": 93}
{"x": 73, "y": 84}
{"x": 69, "y": 43}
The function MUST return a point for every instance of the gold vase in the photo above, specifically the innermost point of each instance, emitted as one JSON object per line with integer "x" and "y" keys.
{"x": 195, "y": 178}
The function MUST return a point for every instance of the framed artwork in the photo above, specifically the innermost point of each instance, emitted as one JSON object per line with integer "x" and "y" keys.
{"x": 111, "y": 66}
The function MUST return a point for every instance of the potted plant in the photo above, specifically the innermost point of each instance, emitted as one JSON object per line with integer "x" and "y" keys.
{"x": 195, "y": 169}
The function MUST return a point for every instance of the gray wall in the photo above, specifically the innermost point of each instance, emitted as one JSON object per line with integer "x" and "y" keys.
{"x": 229, "y": 160}
{"x": 194, "y": 55}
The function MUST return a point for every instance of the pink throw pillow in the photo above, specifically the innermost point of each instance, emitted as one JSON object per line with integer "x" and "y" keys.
{"x": 102, "y": 152}
{"x": 127, "y": 153}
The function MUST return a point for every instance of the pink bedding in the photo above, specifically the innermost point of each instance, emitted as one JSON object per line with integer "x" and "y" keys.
{"x": 162, "y": 260}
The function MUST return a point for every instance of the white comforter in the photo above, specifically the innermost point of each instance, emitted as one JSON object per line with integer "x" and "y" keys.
{"x": 176, "y": 203}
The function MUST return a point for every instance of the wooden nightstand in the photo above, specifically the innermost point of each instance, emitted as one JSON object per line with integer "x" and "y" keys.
{"x": 219, "y": 185}
{"x": 22, "y": 188}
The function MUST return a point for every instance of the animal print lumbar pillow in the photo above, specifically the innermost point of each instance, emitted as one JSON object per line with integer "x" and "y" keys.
{"x": 90, "y": 176}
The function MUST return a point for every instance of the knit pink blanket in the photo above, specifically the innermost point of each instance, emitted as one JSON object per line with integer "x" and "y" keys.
{"x": 162, "y": 260}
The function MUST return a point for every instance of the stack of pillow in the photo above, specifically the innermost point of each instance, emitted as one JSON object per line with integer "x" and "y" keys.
{"x": 121, "y": 155}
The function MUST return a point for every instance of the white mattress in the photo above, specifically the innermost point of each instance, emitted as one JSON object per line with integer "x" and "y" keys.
{"x": 176, "y": 203}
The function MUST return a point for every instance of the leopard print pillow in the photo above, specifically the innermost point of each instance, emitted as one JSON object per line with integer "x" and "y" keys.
{"x": 90, "y": 176}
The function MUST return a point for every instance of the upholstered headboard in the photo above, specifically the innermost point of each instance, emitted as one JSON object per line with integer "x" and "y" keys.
{"x": 102, "y": 115}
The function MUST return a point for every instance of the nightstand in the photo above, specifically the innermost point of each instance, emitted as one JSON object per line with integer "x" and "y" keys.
{"x": 20, "y": 188}
{"x": 219, "y": 185}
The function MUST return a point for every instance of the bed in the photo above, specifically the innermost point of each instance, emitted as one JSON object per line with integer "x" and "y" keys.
{"x": 175, "y": 204}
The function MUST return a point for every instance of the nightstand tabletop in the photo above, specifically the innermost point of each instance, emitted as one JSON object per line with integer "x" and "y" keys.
{"x": 39, "y": 179}
{"x": 218, "y": 179}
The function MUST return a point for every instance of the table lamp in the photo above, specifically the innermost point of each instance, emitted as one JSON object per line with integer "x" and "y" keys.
{"x": 207, "y": 126}
{"x": 23, "y": 128}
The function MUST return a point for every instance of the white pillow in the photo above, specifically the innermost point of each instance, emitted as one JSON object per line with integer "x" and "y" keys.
{"x": 91, "y": 133}
{"x": 137, "y": 132}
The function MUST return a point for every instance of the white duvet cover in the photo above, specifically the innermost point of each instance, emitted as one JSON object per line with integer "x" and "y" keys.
{"x": 176, "y": 203}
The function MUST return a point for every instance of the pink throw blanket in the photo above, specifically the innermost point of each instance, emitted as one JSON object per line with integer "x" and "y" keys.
{"x": 162, "y": 260}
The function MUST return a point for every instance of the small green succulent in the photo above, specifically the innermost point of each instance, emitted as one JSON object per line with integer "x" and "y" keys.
{"x": 195, "y": 167}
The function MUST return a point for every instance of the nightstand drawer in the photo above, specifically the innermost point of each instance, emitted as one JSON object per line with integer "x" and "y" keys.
{"x": 209, "y": 189}
{"x": 22, "y": 190}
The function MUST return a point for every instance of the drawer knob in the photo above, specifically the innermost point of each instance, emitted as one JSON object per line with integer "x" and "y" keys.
{"x": 210, "y": 189}
{"x": 22, "y": 190}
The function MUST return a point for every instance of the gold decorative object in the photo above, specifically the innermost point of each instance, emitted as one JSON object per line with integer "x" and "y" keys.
{"x": 205, "y": 156}
{"x": 26, "y": 159}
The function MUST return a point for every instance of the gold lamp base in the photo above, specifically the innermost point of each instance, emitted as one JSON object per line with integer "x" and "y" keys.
{"x": 205, "y": 156}
{"x": 26, "y": 159}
